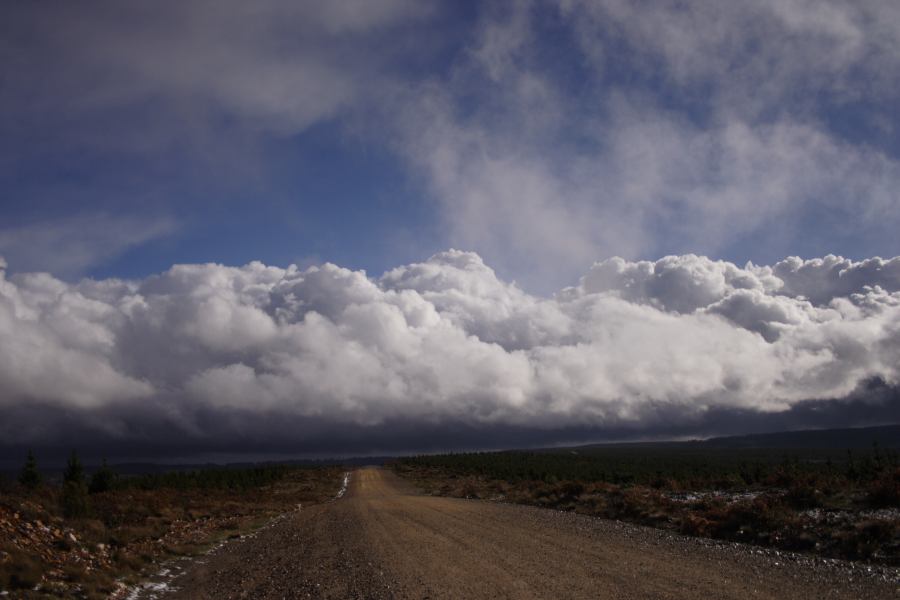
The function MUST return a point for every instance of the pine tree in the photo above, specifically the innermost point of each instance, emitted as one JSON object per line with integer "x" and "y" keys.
{"x": 74, "y": 493}
{"x": 74, "y": 471}
{"x": 102, "y": 480}
{"x": 30, "y": 477}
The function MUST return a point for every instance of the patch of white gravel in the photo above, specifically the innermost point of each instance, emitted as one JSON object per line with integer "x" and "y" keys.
{"x": 343, "y": 489}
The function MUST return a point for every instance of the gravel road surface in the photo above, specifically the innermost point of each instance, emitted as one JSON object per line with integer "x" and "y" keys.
{"x": 383, "y": 540}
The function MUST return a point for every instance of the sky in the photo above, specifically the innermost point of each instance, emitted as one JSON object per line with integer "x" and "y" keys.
{"x": 394, "y": 226}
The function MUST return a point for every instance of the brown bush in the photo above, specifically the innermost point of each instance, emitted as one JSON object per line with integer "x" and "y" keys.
{"x": 693, "y": 524}
{"x": 20, "y": 571}
{"x": 97, "y": 585}
{"x": 635, "y": 503}
{"x": 885, "y": 489}
{"x": 129, "y": 561}
{"x": 571, "y": 489}
{"x": 865, "y": 539}
{"x": 469, "y": 490}
{"x": 803, "y": 495}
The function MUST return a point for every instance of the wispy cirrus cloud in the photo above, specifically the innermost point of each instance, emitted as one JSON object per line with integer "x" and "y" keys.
{"x": 542, "y": 134}
{"x": 673, "y": 127}
{"x": 277, "y": 66}
{"x": 68, "y": 247}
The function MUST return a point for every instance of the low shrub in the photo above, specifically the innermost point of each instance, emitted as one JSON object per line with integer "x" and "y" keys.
{"x": 884, "y": 491}
{"x": 19, "y": 570}
{"x": 865, "y": 539}
{"x": 803, "y": 495}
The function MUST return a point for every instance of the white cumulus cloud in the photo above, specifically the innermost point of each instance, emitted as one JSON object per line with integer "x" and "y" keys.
{"x": 212, "y": 352}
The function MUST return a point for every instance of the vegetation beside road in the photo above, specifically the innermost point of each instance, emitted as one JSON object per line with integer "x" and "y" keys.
{"x": 835, "y": 503}
{"x": 87, "y": 536}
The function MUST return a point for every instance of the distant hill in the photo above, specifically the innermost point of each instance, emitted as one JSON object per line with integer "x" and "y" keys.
{"x": 859, "y": 438}
{"x": 887, "y": 436}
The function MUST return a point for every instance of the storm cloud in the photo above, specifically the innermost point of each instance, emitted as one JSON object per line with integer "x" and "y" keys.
{"x": 208, "y": 356}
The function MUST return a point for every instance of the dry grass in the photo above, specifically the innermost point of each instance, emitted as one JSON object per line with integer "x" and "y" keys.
{"x": 19, "y": 571}
{"x": 774, "y": 516}
{"x": 128, "y": 531}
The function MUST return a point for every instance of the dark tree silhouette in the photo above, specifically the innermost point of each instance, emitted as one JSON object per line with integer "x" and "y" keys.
{"x": 74, "y": 471}
{"x": 102, "y": 480}
{"x": 74, "y": 493}
{"x": 29, "y": 476}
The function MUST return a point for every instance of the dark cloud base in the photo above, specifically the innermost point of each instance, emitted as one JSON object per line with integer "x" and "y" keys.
{"x": 279, "y": 438}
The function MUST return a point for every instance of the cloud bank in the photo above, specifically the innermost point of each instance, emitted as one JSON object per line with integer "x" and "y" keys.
{"x": 211, "y": 356}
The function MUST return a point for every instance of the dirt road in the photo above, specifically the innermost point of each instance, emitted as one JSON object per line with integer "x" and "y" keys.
{"x": 382, "y": 540}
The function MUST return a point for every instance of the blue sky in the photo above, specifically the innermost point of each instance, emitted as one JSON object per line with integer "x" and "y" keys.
{"x": 377, "y": 135}
{"x": 554, "y": 203}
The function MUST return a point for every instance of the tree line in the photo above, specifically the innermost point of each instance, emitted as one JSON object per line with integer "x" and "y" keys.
{"x": 77, "y": 487}
{"x": 672, "y": 466}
